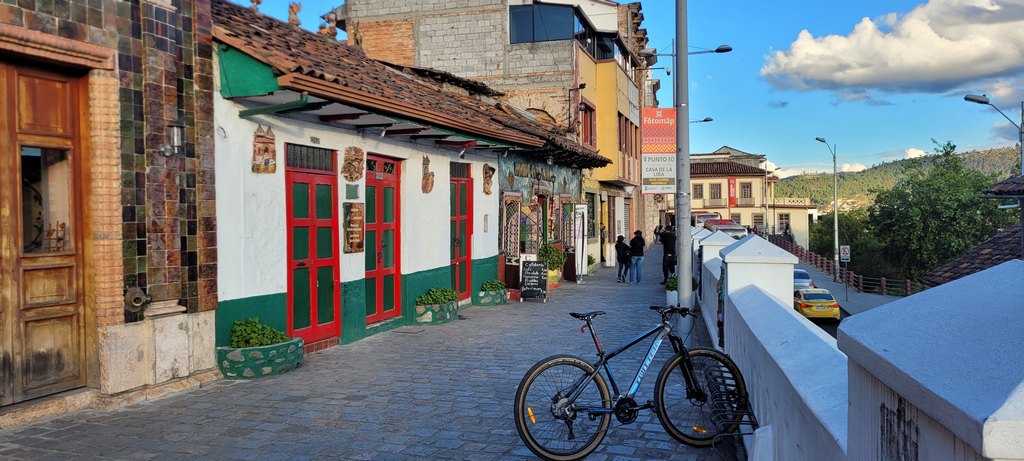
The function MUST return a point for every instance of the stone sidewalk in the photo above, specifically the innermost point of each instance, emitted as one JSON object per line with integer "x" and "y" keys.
{"x": 417, "y": 392}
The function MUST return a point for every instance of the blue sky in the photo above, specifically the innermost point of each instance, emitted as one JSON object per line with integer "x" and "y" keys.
{"x": 878, "y": 78}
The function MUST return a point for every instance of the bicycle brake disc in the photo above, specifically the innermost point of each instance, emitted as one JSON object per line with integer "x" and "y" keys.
{"x": 626, "y": 410}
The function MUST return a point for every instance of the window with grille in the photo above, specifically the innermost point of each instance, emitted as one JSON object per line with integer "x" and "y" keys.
{"x": 626, "y": 218}
{"x": 716, "y": 190}
{"x": 759, "y": 219}
{"x": 510, "y": 226}
{"x": 735, "y": 217}
{"x": 591, "y": 215}
{"x": 309, "y": 157}
{"x": 698, "y": 191}
{"x": 458, "y": 170}
{"x": 746, "y": 190}
{"x": 783, "y": 221}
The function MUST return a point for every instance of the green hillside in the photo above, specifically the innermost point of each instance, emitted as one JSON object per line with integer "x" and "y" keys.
{"x": 855, "y": 188}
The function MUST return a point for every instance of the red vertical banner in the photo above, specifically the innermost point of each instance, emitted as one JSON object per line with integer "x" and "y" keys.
{"x": 732, "y": 191}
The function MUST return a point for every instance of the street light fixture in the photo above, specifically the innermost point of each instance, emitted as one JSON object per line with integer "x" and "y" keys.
{"x": 982, "y": 99}
{"x": 835, "y": 209}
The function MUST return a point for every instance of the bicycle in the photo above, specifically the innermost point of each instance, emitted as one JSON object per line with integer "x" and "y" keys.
{"x": 563, "y": 407}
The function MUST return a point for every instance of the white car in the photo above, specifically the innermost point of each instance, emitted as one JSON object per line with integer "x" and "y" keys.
{"x": 801, "y": 279}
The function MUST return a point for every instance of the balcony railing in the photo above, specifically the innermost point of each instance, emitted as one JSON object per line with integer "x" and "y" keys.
{"x": 784, "y": 201}
{"x": 745, "y": 201}
{"x": 716, "y": 202}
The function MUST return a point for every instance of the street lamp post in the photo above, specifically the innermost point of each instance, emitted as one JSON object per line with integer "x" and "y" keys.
{"x": 835, "y": 210}
{"x": 982, "y": 99}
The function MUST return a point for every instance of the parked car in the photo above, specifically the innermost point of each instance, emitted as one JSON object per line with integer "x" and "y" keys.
{"x": 697, "y": 218}
{"x": 801, "y": 279}
{"x": 816, "y": 303}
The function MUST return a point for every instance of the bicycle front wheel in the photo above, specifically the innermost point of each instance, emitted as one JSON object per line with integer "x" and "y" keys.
{"x": 552, "y": 424}
{"x": 713, "y": 407}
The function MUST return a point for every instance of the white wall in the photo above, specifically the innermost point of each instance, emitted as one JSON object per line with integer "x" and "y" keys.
{"x": 797, "y": 380}
{"x": 252, "y": 236}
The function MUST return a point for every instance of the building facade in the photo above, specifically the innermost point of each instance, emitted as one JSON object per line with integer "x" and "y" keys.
{"x": 108, "y": 259}
{"x": 354, "y": 186}
{"x": 572, "y": 64}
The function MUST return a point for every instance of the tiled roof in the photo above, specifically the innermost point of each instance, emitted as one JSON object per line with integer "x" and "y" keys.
{"x": 1002, "y": 247}
{"x": 724, "y": 169}
{"x": 343, "y": 73}
{"x": 1012, "y": 186}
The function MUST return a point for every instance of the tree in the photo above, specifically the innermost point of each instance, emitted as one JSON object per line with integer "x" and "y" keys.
{"x": 935, "y": 214}
{"x": 867, "y": 255}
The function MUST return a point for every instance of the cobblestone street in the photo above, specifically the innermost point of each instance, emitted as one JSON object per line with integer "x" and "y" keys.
{"x": 417, "y": 392}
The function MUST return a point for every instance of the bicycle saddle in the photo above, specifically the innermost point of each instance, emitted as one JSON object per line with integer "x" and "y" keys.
{"x": 584, "y": 316}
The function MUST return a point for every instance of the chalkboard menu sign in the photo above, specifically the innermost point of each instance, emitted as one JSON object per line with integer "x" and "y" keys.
{"x": 535, "y": 281}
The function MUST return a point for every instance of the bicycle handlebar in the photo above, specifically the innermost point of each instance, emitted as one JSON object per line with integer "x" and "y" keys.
{"x": 666, "y": 310}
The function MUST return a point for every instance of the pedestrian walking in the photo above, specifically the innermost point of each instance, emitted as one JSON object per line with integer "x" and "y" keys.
{"x": 668, "y": 259}
{"x": 636, "y": 256}
{"x": 657, "y": 233}
{"x": 622, "y": 256}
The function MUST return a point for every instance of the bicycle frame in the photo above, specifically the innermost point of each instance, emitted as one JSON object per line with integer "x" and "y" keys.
{"x": 661, "y": 331}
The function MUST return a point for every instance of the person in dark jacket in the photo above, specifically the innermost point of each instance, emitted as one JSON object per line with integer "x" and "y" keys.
{"x": 668, "y": 260}
{"x": 622, "y": 256}
{"x": 636, "y": 256}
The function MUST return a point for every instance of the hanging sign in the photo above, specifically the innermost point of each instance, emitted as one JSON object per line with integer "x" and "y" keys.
{"x": 353, "y": 213}
{"x": 658, "y": 147}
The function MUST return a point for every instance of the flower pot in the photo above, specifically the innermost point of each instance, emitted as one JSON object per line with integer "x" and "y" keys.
{"x": 671, "y": 298}
{"x": 553, "y": 277}
{"x": 255, "y": 362}
{"x": 491, "y": 298}
{"x": 437, "y": 313}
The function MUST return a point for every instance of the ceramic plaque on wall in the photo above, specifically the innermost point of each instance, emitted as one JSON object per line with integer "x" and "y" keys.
{"x": 353, "y": 213}
{"x": 264, "y": 154}
{"x": 488, "y": 178}
{"x": 352, "y": 166}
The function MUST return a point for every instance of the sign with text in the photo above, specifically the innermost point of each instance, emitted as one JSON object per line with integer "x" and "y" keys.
{"x": 658, "y": 147}
{"x": 353, "y": 213}
{"x": 534, "y": 283}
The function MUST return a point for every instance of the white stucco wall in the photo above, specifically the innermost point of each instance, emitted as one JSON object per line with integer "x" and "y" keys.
{"x": 796, "y": 380}
{"x": 252, "y": 234}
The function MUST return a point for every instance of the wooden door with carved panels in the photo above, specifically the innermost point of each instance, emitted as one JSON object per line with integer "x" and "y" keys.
{"x": 41, "y": 289}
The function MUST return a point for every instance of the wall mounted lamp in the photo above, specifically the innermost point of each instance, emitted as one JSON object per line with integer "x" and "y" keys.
{"x": 462, "y": 153}
{"x": 176, "y": 135}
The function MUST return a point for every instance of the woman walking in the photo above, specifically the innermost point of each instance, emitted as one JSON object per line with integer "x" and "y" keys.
{"x": 636, "y": 256}
{"x": 622, "y": 256}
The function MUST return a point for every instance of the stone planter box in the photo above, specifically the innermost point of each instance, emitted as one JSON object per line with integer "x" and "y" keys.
{"x": 437, "y": 313}
{"x": 255, "y": 362}
{"x": 492, "y": 298}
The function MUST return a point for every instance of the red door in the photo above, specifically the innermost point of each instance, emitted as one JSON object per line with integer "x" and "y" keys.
{"x": 461, "y": 196}
{"x": 314, "y": 307}
{"x": 383, "y": 239}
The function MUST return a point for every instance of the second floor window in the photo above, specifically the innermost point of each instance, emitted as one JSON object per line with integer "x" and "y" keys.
{"x": 698, "y": 191}
{"x": 746, "y": 190}
{"x": 716, "y": 191}
{"x": 540, "y": 23}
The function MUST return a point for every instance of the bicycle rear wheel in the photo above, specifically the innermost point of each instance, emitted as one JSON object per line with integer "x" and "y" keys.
{"x": 552, "y": 426}
{"x": 719, "y": 400}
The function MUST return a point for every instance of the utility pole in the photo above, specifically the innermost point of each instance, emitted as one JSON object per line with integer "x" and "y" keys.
{"x": 681, "y": 102}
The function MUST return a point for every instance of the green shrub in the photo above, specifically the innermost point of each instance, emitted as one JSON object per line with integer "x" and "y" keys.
{"x": 551, "y": 256}
{"x": 493, "y": 285}
{"x": 252, "y": 333}
{"x": 591, "y": 260}
{"x": 672, "y": 284}
{"x": 437, "y": 296}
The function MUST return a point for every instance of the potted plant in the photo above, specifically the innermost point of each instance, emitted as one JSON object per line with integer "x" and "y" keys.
{"x": 591, "y": 261}
{"x": 554, "y": 258}
{"x": 672, "y": 291}
{"x": 492, "y": 293}
{"x": 437, "y": 305}
{"x": 258, "y": 350}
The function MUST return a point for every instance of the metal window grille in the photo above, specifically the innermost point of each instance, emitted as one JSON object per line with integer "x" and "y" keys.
{"x": 716, "y": 191}
{"x": 458, "y": 170}
{"x": 627, "y": 218}
{"x": 309, "y": 157}
{"x": 698, "y": 191}
{"x": 735, "y": 217}
{"x": 510, "y": 226}
{"x": 591, "y": 215}
{"x": 759, "y": 219}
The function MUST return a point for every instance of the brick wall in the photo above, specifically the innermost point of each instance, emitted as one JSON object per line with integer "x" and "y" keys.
{"x": 390, "y": 40}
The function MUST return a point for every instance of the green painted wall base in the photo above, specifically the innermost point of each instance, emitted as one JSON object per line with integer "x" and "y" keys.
{"x": 272, "y": 310}
{"x": 437, "y": 313}
{"x": 256, "y": 362}
{"x": 491, "y": 298}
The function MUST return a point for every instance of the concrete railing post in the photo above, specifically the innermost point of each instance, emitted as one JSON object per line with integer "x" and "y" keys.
{"x": 883, "y": 286}
{"x": 860, "y": 283}
{"x": 907, "y": 287}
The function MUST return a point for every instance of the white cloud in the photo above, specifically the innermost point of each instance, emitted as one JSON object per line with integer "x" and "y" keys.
{"x": 852, "y": 167}
{"x": 938, "y": 46}
{"x": 809, "y": 168}
{"x": 913, "y": 152}
{"x": 1004, "y": 131}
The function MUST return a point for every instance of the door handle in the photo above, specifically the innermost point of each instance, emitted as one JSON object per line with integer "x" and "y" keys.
{"x": 301, "y": 264}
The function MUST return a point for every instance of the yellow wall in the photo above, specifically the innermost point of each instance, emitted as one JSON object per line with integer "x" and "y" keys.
{"x": 608, "y": 119}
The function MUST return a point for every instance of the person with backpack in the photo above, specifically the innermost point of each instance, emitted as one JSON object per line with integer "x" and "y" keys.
{"x": 636, "y": 256}
{"x": 622, "y": 256}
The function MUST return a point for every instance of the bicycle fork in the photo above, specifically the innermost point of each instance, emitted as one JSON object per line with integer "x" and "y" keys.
{"x": 693, "y": 392}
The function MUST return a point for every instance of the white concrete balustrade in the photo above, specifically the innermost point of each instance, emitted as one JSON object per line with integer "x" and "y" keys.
{"x": 934, "y": 376}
